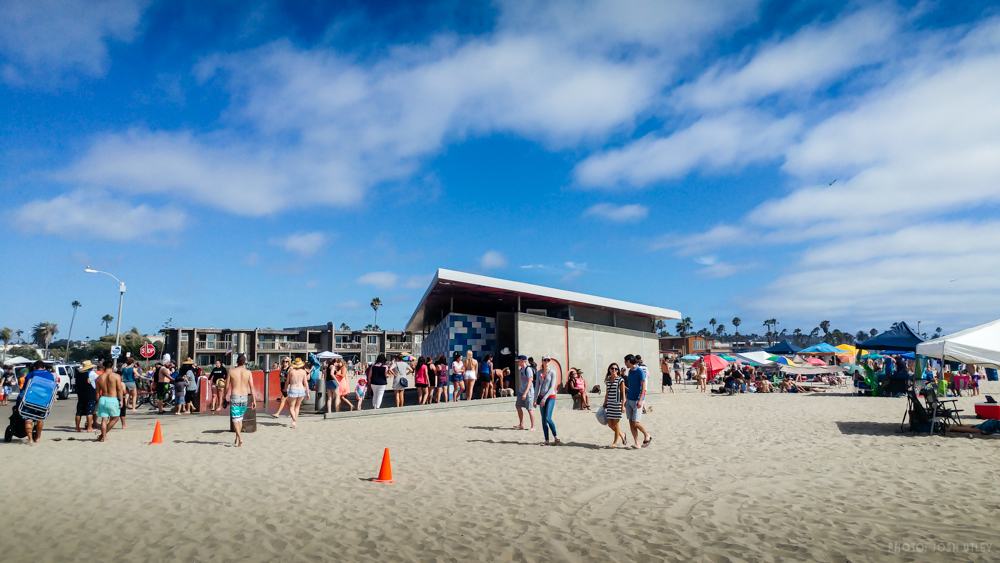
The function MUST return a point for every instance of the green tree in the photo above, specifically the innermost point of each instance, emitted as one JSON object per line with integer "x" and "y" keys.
{"x": 5, "y": 334}
{"x": 825, "y": 327}
{"x": 376, "y": 303}
{"x": 713, "y": 322}
{"x": 873, "y": 332}
{"x": 106, "y": 321}
{"x": 343, "y": 326}
{"x": 721, "y": 329}
{"x": 861, "y": 336}
{"x": 736, "y": 325}
{"x": 19, "y": 332}
{"x": 684, "y": 325}
{"x": 25, "y": 352}
{"x": 937, "y": 332}
{"x": 797, "y": 335}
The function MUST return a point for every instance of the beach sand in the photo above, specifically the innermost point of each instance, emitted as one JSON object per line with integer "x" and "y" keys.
{"x": 747, "y": 478}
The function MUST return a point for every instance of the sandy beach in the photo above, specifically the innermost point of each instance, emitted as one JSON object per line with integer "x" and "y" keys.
{"x": 820, "y": 477}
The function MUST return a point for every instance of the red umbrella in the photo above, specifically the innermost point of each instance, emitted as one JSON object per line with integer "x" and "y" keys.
{"x": 816, "y": 361}
{"x": 714, "y": 364}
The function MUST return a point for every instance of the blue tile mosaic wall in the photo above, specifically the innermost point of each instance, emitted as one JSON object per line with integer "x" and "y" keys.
{"x": 460, "y": 333}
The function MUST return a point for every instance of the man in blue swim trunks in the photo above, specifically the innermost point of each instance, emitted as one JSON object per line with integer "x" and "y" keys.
{"x": 112, "y": 393}
{"x": 240, "y": 393}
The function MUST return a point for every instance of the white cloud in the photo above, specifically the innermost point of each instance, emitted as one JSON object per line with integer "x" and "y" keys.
{"x": 492, "y": 260}
{"x": 349, "y": 305}
{"x": 881, "y": 243}
{"x": 251, "y": 259}
{"x": 380, "y": 280}
{"x": 617, "y": 213}
{"x": 303, "y": 244}
{"x": 321, "y": 127}
{"x": 733, "y": 139}
{"x": 812, "y": 57}
{"x": 82, "y": 215}
{"x": 42, "y": 40}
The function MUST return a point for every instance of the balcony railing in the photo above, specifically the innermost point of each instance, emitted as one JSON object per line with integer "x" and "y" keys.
{"x": 399, "y": 346}
{"x": 287, "y": 346}
{"x": 347, "y": 346}
{"x": 213, "y": 345}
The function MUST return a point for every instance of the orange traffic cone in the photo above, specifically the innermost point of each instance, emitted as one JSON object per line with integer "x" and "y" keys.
{"x": 385, "y": 473}
{"x": 157, "y": 437}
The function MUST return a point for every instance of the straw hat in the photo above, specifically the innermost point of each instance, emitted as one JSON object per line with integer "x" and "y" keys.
{"x": 188, "y": 361}
{"x": 298, "y": 363}
{"x": 87, "y": 365}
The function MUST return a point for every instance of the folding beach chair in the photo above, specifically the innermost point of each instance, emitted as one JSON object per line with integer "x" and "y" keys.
{"x": 921, "y": 419}
{"x": 940, "y": 408}
{"x": 37, "y": 398}
{"x": 32, "y": 404}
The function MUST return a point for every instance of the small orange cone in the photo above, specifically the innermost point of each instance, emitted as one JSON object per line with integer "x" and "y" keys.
{"x": 385, "y": 473}
{"x": 157, "y": 438}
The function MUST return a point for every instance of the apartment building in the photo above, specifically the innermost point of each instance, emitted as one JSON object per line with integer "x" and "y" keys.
{"x": 264, "y": 346}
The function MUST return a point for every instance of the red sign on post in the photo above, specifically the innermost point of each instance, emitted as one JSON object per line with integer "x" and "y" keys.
{"x": 147, "y": 351}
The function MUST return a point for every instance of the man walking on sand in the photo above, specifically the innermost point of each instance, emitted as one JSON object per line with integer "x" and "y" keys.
{"x": 239, "y": 391}
{"x": 526, "y": 393}
{"x": 665, "y": 370}
{"x": 634, "y": 399}
{"x": 112, "y": 393}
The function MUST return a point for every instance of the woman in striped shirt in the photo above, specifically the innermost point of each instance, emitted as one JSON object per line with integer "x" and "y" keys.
{"x": 613, "y": 402}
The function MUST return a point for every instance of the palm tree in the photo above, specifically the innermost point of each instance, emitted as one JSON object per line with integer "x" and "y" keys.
{"x": 797, "y": 334}
{"x": 713, "y": 322}
{"x": 861, "y": 336}
{"x": 42, "y": 334}
{"x": 5, "y": 334}
{"x": 937, "y": 332}
{"x": 873, "y": 332}
{"x": 770, "y": 324}
{"x": 683, "y": 326}
{"x": 106, "y": 321}
{"x": 736, "y": 325}
{"x": 721, "y": 329}
{"x": 825, "y": 327}
{"x": 343, "y": 326}
{"x": 814, "y": 333}
{"x": 19, "y": 332}
{"x": 76, "y": 305}
{"x": 376, "y": 303}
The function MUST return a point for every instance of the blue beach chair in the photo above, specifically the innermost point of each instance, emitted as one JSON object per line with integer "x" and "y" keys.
{"x": 32, "y": 404}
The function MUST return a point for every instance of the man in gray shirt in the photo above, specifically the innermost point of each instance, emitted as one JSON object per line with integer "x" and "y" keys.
{"x": 525, "y": 393}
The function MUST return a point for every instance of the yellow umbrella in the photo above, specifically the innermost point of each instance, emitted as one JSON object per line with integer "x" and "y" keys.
{"x": 848, "y": 349}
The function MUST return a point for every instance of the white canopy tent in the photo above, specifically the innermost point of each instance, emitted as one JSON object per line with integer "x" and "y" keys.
{"x": 758, "y": 357}
{"x": 17, "y": 360}
{"x": 978, "y": 345}
{"x": 328, "y": 355}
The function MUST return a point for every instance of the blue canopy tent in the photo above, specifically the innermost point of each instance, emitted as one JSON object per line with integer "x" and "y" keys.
{"x": 783, "y": 347}
{"x": 901, "y": 337}
{"x": 823, "y": 348}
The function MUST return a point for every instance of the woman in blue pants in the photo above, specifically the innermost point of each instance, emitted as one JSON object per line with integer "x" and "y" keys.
{"x": 547, "y": 398}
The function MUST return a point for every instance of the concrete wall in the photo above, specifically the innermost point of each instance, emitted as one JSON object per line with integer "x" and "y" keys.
{"x": 586, "y": 346}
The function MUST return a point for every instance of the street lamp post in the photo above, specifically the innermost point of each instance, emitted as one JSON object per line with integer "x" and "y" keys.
{"x": 121, "y": 297}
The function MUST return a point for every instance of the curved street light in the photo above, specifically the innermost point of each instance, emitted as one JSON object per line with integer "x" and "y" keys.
{"x": 121, "y": 297}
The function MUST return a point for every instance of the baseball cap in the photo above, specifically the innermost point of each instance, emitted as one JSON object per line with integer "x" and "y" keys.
{"x": 546, "y": 358}
{"x": 522, "y": 358}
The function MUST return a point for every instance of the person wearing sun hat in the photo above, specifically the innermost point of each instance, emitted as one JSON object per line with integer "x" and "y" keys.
{"x": 86, "y": 397}
{"x": 298, "y": 389}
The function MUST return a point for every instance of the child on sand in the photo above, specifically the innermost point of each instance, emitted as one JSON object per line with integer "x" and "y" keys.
{"x": 360, "y": 390}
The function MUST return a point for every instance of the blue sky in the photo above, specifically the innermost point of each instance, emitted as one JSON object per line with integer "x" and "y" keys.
{"x": 265, "y": 164}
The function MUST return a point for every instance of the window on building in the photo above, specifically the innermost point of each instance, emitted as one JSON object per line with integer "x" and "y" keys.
{"x": 371, "y": 359}
{"x": 372, "y": 339}
{"x": 184, "y": 337}
{"x": 204, "y": 360}
{"x": 697, "y": 344}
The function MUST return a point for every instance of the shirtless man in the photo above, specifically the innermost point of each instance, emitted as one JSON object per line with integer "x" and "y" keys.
{"x": 112, "y": 393}
{"x": 239, "y": 391}
{"x": 298, "y": 388}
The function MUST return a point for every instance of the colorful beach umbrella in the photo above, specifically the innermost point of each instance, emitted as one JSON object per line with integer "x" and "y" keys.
{"x": 782, "y": 360}
{"x": 691, "y": 358}
{"x": 728, "y": 358}
{"x": 816, "y": 361}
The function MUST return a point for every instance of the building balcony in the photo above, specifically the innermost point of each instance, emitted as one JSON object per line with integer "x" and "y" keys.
{"x": 347, "y": 346}
{"x": 213, "y": 345}
{"x": 399, "y": 346}
{"x": 286, "y": 347}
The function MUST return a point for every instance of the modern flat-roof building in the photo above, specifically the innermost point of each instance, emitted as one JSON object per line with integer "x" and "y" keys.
{"x": 264, "y": 346}
{"x": 462, "y": 311}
